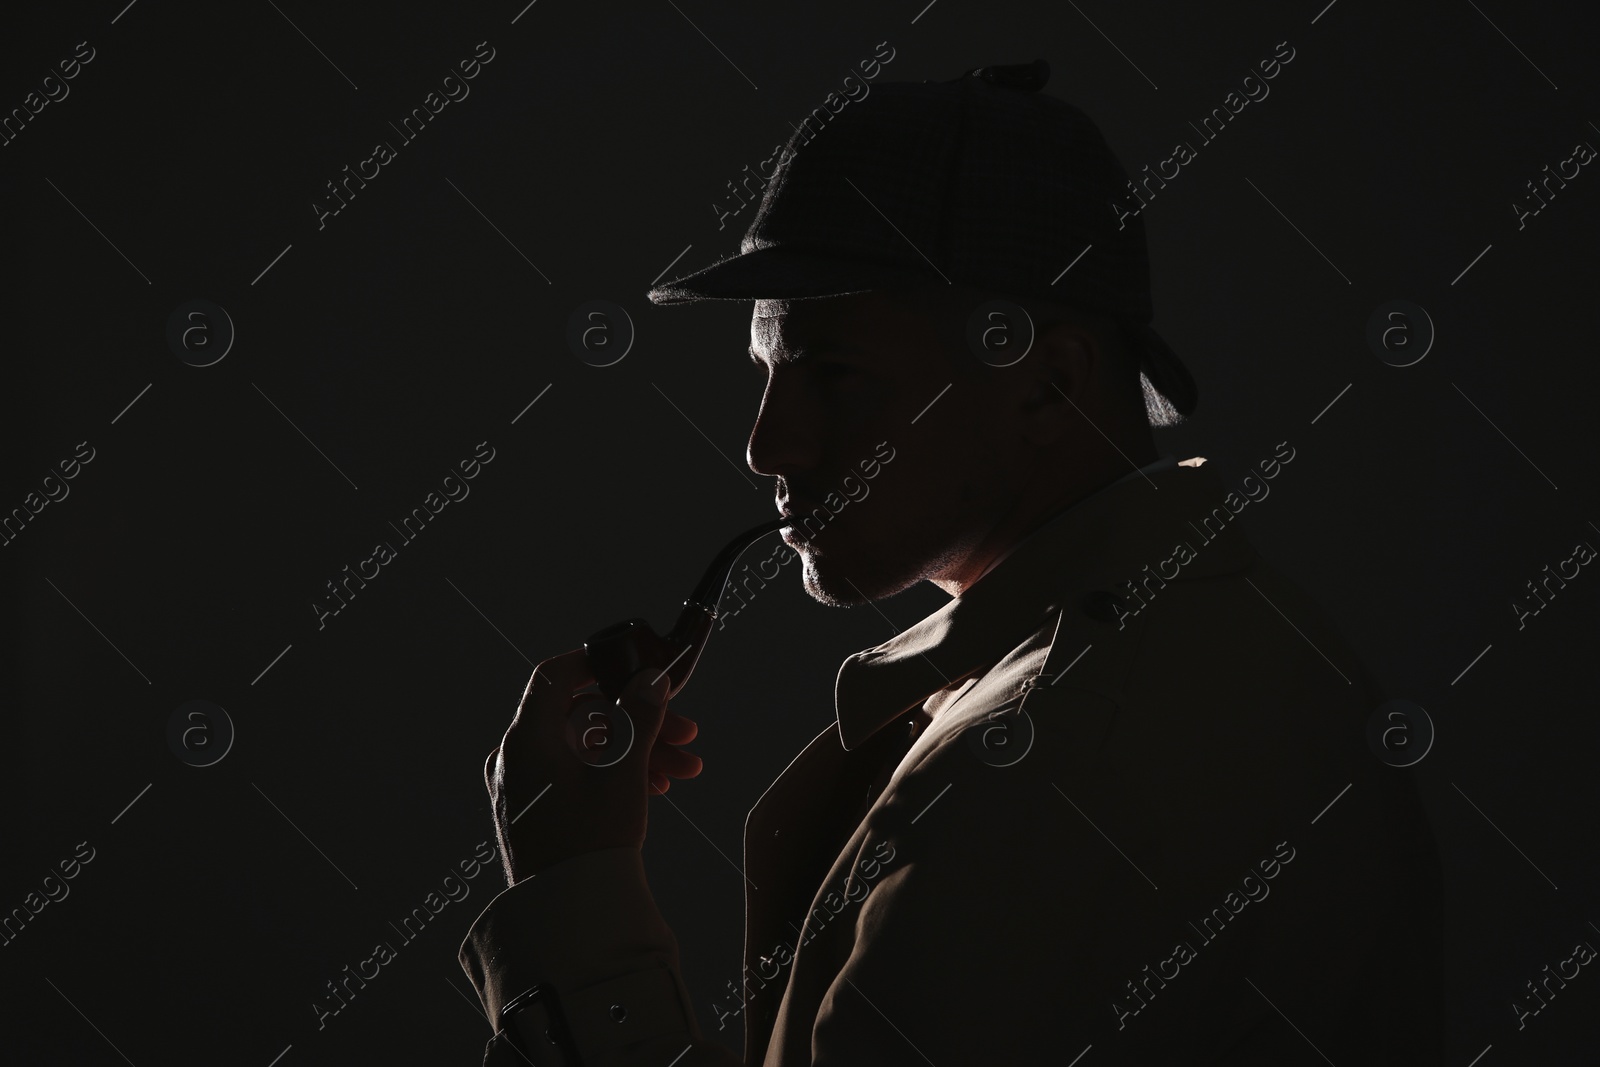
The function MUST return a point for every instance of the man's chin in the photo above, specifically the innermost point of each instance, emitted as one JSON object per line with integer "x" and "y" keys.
{"x": 842, "y": 581}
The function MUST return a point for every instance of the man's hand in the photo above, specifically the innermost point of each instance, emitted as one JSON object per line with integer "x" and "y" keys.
{"x": 557, "y": 782}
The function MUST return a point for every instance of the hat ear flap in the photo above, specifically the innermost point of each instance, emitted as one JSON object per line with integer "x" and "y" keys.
{"x": 1163, "y": 368}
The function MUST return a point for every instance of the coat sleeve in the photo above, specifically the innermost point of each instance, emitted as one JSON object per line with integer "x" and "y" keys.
{"x": 589, "y": 928}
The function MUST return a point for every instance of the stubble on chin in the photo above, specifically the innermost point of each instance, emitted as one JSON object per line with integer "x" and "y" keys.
{"x": 828, "y": 583}
{"x": 850, "y": 580}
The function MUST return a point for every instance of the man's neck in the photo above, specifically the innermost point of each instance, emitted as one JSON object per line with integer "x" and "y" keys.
{"x": 1025, "y": 517}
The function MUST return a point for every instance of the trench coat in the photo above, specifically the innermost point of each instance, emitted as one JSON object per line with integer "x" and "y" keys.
{"x": 1137, "y": 818}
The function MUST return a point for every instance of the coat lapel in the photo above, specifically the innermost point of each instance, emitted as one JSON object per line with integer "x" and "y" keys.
{"x": 792, "y": 837}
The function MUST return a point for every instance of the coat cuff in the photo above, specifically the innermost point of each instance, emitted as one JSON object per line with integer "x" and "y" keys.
{"x": 574, "y": 924}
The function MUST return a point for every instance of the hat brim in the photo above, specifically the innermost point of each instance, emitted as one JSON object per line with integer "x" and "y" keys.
{"x": 785, "y": 273}
{"x": 781, "y": 273}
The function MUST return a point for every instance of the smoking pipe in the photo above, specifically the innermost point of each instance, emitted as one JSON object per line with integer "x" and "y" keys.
{"x": 620, "y": 651}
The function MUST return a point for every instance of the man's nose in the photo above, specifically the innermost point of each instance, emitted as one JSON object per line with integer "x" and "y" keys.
{"x": 784, "y": 437}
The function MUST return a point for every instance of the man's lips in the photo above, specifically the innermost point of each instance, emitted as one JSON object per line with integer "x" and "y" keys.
{"x": 795, "y": 514}
{"x": 791, "y": 510}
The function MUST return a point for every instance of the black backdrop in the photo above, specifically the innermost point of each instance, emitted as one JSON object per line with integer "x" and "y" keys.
{"x": 375, "y": 353}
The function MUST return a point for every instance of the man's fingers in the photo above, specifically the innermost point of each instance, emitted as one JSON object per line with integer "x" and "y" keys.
{"x": 550, "y": 695}
{"x": 645, "y": 699}
{"x": 666, "y": 759}
{"x": 649, "y": 684}
{"x": 644, "y": 702}
{"x": 677, "y": 730}
{"x": 555, "y": 679}
{"x": 570, "y": 670}
{"x": 589, "y": 725}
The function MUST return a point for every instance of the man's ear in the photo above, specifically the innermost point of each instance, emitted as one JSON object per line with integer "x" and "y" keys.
{"x": 1060, "y": 371}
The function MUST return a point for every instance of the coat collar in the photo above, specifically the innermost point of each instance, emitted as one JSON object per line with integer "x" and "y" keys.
{"x": 1092, "y": 549}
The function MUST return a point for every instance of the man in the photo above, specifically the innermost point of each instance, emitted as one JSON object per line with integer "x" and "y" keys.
{"x": 1135, "y": 818}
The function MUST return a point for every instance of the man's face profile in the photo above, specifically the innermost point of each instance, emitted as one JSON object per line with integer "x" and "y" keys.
{"x": 847, "y": 374}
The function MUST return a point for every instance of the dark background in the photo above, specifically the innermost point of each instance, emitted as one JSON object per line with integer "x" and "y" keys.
{"x": 189, "y": 551}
